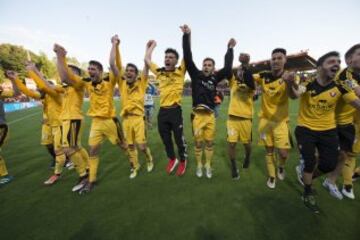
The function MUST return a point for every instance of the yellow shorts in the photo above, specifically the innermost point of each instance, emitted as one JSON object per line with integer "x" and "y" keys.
{"x": 239, "y": 130}
{"x": 46, "y": 135}
{"x": 274, "y": 134}
{"x": 102, "y": 128}
{"x": 203, "y": 126}
{"x": 356, "y": 145}
{"x": 71, "y": 133}
{"x": 56, "y": 133}
{"x": 4, "y": 131}
{"x": 134, "y": 129}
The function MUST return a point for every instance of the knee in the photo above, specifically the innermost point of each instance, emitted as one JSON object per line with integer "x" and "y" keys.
{"x": 209, "y": 144}
{"x": 142, "y": 147}
{"x": 283, "y": 154}
{"x": 309, "y": 165}
{"x": 327, "y": 165}
{"x": 131, "y": 147}
{"x": 94, "y": 150}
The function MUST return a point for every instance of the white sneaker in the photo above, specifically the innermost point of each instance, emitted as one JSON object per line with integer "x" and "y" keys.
{"x": 80, "y": 184}
{"x": 281, "y": 174}
{"x": 333, "y": 189}
{"x": 150, "y": 166}
{"x": 271, "y": 184}
{"x": 208, "y": 172}
{"x": 348, "y": 194}
{"x": 133, "y": 173}
{"x": 299, "y": 173}
{"x": 199, "y": 172}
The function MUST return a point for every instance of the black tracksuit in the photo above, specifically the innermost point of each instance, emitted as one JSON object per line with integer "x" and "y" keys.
{"x": 204, "y": 87}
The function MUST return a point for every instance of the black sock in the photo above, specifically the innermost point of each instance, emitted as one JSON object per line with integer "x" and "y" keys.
{"x": 348, "y": 187}
{"x": 307, "y": 189}
{"x": 233, "y": 164}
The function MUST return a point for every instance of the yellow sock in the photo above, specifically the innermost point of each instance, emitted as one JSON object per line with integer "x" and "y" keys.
{"x": 93, "y": 167}
{"x": 270, "y": 164}
{"x": 59, "y": 163}
{"x": 209, "y": 152}
{"x": 79, "y": 163}
{"x": 3, "y": 169}
{"x": 85, "y": 156}
{"x": 348, "y": 170}
{"x": 198, "y": 156}
{"x": 133, "y": 157}
{"x": 148, "y": 155}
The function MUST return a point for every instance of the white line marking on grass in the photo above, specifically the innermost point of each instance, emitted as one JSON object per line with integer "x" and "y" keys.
{"x": 23, "y": 118}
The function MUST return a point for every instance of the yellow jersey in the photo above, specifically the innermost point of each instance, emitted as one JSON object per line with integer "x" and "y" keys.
{"x": 101, "y": 97}
{"x": 318, "y": 103}
{"x": 344, "y": 112}
{"x": 241, "y": 99}
{"x": 171, "y": 84}
{"x": 133, "y": 97}
{"x": 274, "y": 99}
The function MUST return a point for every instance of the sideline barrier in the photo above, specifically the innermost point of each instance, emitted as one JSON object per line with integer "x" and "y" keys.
{"x": 12, "y": 107}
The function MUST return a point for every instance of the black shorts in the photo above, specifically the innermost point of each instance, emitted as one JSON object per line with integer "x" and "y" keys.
{"x": 346, "y": 135}
{"x": 325, "y": 142}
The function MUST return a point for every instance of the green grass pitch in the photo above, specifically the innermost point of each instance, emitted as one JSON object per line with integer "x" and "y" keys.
{"x": 157, "y": 206}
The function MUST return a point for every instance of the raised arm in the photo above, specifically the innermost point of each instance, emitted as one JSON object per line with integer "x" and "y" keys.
{"x": 19, "y": 87}
{"x": 65, "y": 73}
{"x": 40, "y": 80}
{"x": 189, "y": 62}
{"x": 148, "y": 54}
{"x": 225, "y": 72}
{"x": 115, "y": 59}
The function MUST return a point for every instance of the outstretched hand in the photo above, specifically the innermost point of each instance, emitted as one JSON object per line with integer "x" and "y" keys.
{"x": 232, "y": 43}
{"x": 151, "y": 44}
{"x": 30, "y": 66}
{"x": 185, "y": 29}
{"x": 12, "y": 75}
{"x": 115, "y": 39}
{"x": 59, "y": 50}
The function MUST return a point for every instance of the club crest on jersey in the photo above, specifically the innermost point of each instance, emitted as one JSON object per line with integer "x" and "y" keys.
{"x": 349, "y": 83}
{"x": 332, "y": 94}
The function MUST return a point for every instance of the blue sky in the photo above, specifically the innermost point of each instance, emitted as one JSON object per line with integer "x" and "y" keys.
{"x": 85, "y": 27}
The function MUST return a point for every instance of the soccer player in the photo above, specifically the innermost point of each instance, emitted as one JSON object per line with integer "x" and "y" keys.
{"x": 316, "y": 128}
{"x": 132, "y": 87}
{"x": 349, "y": 147}
{"x": 52, "y": 99}
{"x": 104, "y": 124}
{"x": 71, "y": 117}
{"x": 5, "y": 177}
{"x": 274, "y": 115}
{"x": 240, "y": 113}
{"x": 170, "y": 121}
{"x": 149, "y": 104}
{"x": 203, "y": 84}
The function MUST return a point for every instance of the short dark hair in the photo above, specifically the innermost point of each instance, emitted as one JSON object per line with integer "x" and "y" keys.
{"x": 76, "y": 69}
{"x": 279, "y": 50}
{"x": 97, "y": 64}
{"x": 209, "y": 59}
{"x": 173, "y": 51}
{"x": 322, "y": 59}
{"x": 133, "y": 66}
{"x": 351, "y": 51}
